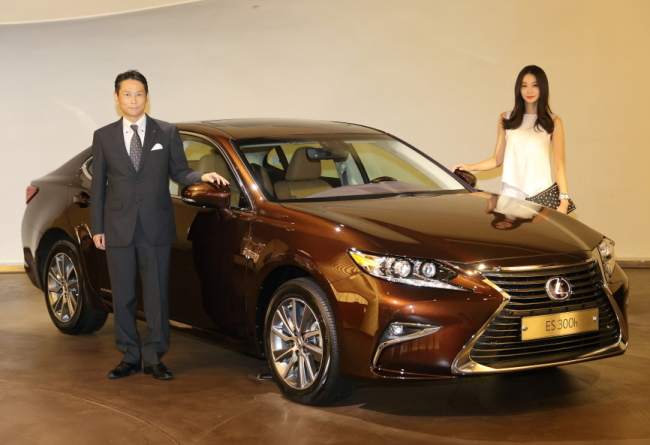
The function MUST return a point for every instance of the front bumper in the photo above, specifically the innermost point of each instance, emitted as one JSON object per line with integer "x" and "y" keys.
{"x": 458, "y": 325}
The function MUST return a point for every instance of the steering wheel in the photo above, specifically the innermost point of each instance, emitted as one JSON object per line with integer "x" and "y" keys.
{"x": 382, "y": 179}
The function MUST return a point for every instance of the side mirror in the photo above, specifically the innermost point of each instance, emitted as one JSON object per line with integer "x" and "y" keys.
{"x": 466, "y": 177}
{"x": 209, "y": 195}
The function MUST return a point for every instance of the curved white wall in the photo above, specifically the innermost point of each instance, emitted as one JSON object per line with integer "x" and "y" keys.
{"x": 30, "y": 11}
{"x": 436, "y": 73}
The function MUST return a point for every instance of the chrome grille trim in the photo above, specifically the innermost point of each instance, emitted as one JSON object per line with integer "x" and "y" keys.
{"x": 590, "y": 289}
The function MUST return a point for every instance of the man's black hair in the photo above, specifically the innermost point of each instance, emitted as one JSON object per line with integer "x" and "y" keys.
{"x": 133, "y": 75}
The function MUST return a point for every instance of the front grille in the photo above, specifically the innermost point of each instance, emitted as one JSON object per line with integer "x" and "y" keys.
{"x": 501, "y": 346}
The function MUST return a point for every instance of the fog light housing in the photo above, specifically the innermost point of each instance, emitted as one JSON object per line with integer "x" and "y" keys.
{"x": 399, "y": 332}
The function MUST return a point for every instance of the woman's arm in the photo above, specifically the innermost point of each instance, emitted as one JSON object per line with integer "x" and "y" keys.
{"x": 497, "y": 158}
{"x": 558, "y": 163}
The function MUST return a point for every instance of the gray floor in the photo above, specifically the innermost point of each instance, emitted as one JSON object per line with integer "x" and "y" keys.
{"x": 54, "y": 390}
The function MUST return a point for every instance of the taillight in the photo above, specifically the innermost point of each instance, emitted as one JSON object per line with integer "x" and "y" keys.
{"x": 31, "y": 192}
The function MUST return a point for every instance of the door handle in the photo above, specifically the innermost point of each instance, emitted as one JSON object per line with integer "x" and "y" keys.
{"x": 82, "y": 199}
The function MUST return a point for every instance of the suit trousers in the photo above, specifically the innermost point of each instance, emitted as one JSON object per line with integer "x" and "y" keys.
{"x": 153, "y": 263}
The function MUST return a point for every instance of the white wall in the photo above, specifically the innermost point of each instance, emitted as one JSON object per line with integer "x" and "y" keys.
{"x": 436, "y": 73}
{"x": 26, "y": 11}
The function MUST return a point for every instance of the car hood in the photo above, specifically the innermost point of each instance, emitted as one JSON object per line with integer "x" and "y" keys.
{"x": 457, "y": 227}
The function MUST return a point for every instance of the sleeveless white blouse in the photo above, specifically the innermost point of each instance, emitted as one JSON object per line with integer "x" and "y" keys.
{"x": 527, "y": 160}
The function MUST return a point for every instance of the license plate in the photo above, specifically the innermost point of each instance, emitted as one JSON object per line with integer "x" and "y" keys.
{"x": 558, "y": 325}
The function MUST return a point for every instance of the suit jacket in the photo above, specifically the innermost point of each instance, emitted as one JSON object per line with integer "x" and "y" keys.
{"x": 120, "y": 193}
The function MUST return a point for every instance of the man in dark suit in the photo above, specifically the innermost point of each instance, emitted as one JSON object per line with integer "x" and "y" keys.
{"x": 133, "y": 220}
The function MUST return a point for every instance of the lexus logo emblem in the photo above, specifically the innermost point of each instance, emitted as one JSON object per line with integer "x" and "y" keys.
{"x": 558, "y": 289}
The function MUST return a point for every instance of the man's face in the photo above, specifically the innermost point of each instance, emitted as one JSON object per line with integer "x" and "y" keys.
{"x": 132, "y": 99}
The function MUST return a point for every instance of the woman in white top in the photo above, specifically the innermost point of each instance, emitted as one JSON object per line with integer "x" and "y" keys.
{"x": 524, "y": 140}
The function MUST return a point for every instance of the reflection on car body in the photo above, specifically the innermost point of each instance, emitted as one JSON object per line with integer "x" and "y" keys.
{"x": 342, "y": 254}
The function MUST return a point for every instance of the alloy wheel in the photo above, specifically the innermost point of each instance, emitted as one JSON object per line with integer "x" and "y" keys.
{"x": 296, "y": 342}
{"x": 63, "y": 287}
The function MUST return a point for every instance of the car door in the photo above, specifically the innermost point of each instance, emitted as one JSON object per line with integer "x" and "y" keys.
{"x": 208, "y": 267}
{"x": 78, "y": 213}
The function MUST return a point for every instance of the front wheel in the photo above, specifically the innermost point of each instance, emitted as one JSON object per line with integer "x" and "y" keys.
{"x": 301, "y": 344}
{"x": 65, "y": 292}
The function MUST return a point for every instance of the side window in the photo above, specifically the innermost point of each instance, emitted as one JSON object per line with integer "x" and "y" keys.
{"x": 273, "y": 159}
{"x": 202, "y": 156}
{"x": 195, "y": 149}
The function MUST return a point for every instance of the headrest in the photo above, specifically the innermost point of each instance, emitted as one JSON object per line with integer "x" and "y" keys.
{"x": 302, "y": 168}
{"x": 194, "y": 150}
{"x": 262, "y": 177}
{"x": 212, "y": 163}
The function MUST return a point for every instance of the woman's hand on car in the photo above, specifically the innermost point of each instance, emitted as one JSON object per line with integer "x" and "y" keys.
{"x": 463, "y": 167}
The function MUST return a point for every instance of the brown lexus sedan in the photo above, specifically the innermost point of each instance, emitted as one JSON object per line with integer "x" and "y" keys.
{"x": 342, "y": 254}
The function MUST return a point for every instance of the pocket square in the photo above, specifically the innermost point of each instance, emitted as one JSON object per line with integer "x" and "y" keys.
{"x": 157, "y": 147}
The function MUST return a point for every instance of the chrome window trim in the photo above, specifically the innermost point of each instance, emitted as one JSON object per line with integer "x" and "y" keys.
{"x": 463, "y": 364}
{"x": 427, "y": 329}
{"x": 84, "y": 167}
{"x": 234, "y": 170}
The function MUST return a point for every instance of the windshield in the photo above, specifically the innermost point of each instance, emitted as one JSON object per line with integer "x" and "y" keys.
{"x": 342, "y": 167}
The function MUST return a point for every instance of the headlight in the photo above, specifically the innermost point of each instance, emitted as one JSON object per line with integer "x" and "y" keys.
{"x": 606, "y": 251}
{"x": 416, "y": 272}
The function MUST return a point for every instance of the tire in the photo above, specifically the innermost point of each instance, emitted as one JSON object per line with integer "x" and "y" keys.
{"x": 304, "y": 362}
{"x": 65, "y": 292}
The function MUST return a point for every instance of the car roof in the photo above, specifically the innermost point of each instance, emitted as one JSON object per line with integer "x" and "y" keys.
{"x": 256, "y": 128}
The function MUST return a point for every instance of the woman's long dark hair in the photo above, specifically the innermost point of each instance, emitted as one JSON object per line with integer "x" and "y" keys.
{"x": 544, "y": 117}
{"x": 514, "y": 223}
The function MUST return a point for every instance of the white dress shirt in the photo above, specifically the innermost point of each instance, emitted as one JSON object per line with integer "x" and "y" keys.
{"x": 128, "y": 131}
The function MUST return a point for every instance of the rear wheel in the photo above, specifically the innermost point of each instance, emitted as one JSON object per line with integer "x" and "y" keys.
{"x": 301, "y": 344}
{"x": 65, "y": 292}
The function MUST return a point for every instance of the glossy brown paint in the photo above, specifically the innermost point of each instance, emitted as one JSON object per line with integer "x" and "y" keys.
{"x": 232, "y": 129}
{"x": 618, "y": 285}
{"x": 94, "y": 260}
{"x": 46, "y": 215}
{"x": 369, "y": 305}
{"x": 209, "y": 256}
{"x": 207, "y": 283}
{"x": 210, "y": 195}
{"x": 285, "y": 241}
{"x": 228, "y": 261}
{"x": 451, "y": 228}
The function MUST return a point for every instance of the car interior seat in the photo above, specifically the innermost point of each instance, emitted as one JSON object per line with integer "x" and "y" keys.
{"x": 214, "y": 162}
{"x": 262, "y": 178}
{"x": 302, "y": 178}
